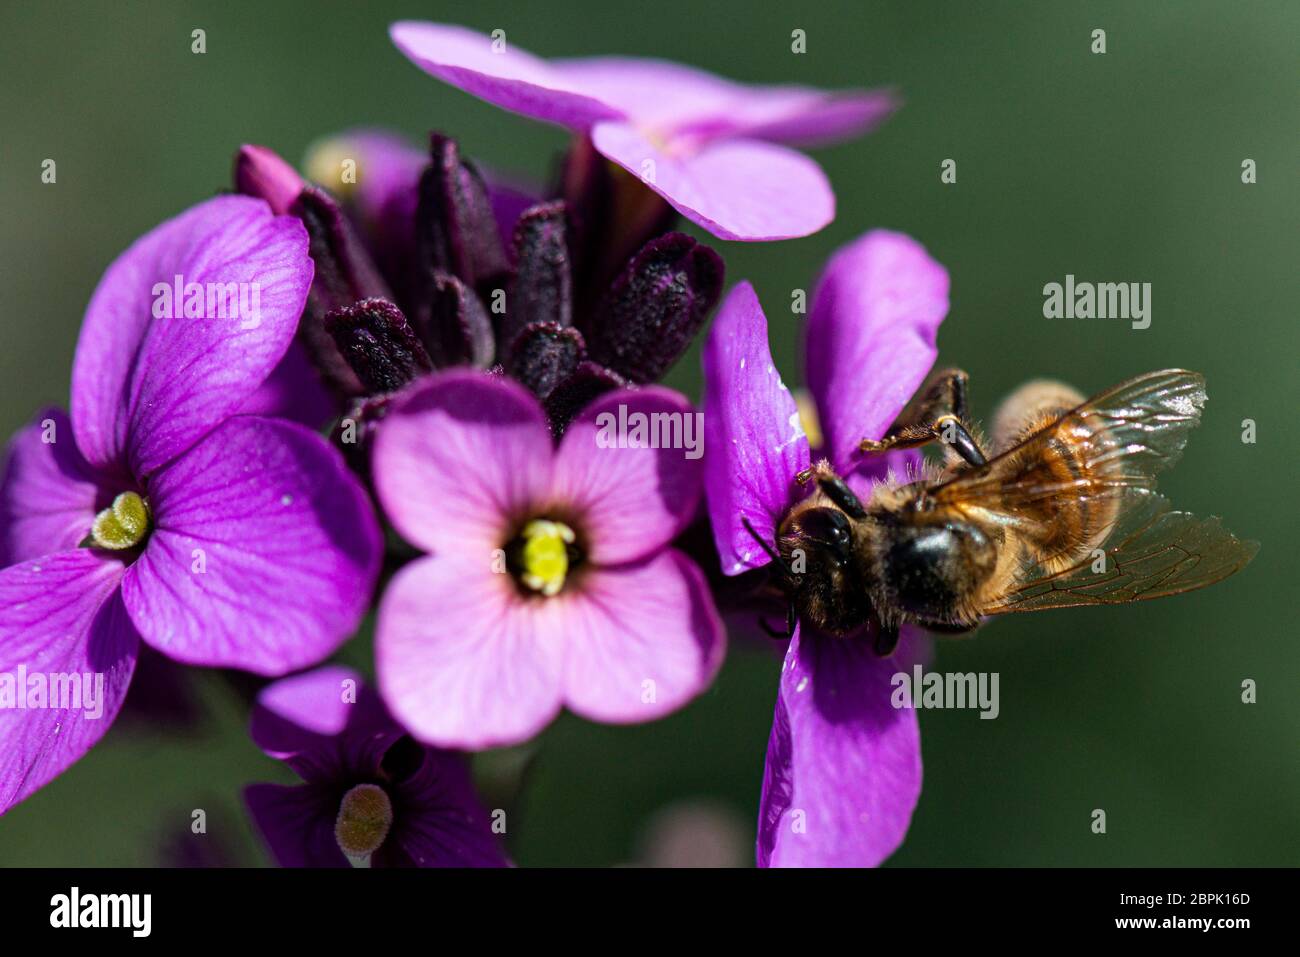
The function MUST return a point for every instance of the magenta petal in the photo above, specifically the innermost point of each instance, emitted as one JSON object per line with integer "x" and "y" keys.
{"x": 736, "y": 189}
{"x": 871, "y": 336}
{"x": 440, "y": 821}
{"x": 755, "y": 444}
{"x": 632, "y": 501}
{"x": 144, "y": 389}
{"x": 294, "y": 391}
{"x": 843, "y": 765}
{"x": 463, "y": 661}
{"x": 806, "y": 117}
{"x": 297, "y": 823}
{"x": 655, "y": 93}
{"x": 507, "y": 77}
{"x": 49, "y": 493}
{"x": 264, "y": 551}
{"x": 641, "y": 640}
{"x": 690, "y": 104}
{"x": 326, "y": 724}
{"x": 60, "y": 615}
{"x": 458, "y": 458}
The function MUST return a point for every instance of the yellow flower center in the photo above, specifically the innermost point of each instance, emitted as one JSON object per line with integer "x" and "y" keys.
{"x": 812, "y": 426}
{"x": 334, "y": 163}
{"x": 546, "y": 555}
{"x": 365, "y": 815}
{"x": 122, "y": 525}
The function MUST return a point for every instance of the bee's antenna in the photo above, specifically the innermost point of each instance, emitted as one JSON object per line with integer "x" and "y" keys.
{"x": 772, "y": 553}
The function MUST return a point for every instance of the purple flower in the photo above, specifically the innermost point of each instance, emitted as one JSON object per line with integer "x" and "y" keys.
{"x": 371, "y": 794}
{"x": 843, "y": 766}
{"x": 707, "y": 145}
{"x": 156, "y": 513}
{"x": 549, "y": 581}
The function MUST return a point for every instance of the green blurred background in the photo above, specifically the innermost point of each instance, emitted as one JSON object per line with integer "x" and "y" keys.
{"x": 1117, "y": 167}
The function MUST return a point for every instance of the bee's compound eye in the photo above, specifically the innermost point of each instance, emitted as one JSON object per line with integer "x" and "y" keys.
{"x": 827, "y": 525}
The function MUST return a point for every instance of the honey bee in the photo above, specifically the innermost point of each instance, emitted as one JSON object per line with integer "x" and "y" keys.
{"x": 1063, "y": 513}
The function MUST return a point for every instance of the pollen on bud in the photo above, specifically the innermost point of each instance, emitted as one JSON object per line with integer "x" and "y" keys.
{"x": 261, "y": 172}
{"x": 546, "y": 555}
{"x": 365, "y": 817}
{"x": 122, "y": 525}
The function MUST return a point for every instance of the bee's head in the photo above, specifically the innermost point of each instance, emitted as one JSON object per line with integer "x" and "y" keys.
{"x": 818, "y": 549}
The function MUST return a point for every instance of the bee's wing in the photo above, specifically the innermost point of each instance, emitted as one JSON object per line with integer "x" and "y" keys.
{"x": 1151, "y": 552}
{"x": 1100, "y": 459}
{"x": 1117, "y": 440}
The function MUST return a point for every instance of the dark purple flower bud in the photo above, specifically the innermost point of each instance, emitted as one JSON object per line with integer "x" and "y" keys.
{"x": 575, "y": 393}
{"x": 456, "y": 230}
{"x": 379, "y": 345}
{"x": 261, "y": 172}
{"x": 613, "y": 215}
{"x": 344, "y": 275}
{"x": 545, "y": 354}
{"x": 454, "y": 325}
{"x": 355, "y": 430}
{"x": 655, "y": 307}
{"x": 543, "y": 290}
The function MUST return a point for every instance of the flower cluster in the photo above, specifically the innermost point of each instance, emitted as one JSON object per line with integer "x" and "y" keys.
{"x": 403, "y": 361}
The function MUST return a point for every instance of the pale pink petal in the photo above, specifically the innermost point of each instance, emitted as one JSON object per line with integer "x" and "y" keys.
{"x": 631, "y": 499}
{"x": 681, "y": 102}
{"x": 736, "y": 189}
{"x": 640, "y": 641}
{"x": 459, "y": 458}
{"x": 463, "y": 660}
{"x": 500, "y": 73}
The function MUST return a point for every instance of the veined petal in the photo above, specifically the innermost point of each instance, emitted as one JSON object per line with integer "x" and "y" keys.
{"x": 458, "y": 458}
{"x": 683, "y": 101}
{"x": 752, "y": 431}
{"x": 263, "y": 553}
{"x": 326, "y": 724}
{"x": 498, "y": 72}
{"x": 740, "y": 189}
{"x": 145, "y": 389}
{"x": 62, "y": 626}
{"x": 631, "y": 467}
{"x": 871, "y": 337}
{"x": 843, "y": 764}
{"x": 463, "y": 660}
{"x": 49, "y": 493}
{"x": 640, "y": 641}
{"x": 294, "y": 391}
{"x": 439, "y": 820}
{"x": 297, "y": 823}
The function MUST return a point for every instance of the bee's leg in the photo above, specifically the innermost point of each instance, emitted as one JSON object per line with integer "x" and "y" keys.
{"x": 835, "y": 488}
{"x": 790, "y": 621}
{"x": 937, "y": 415}
{"x": 886, "y": 639}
